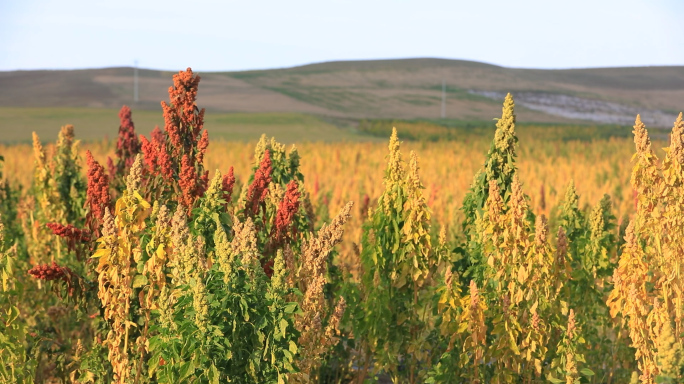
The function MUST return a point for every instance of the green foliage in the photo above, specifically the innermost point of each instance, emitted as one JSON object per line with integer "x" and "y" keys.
{"x": 565, "y": 365}
{"x": 670, "y": 359}
{"x": 432, "y": 130}
{"x": 211, "y": 212}
{"x": 68, "y": 179}
{"x": 499, "y": 166}
{"x": 16, "y": 364}
{"x": 592, "y": 254}
{"x": 9, "y": 207}
{"x": 57, "y": 195}
{"x": 248, "y": 336}
{"x": 244, "y": 291}
{"x": 393, "y": 320}
{"x": 281, "y": 169}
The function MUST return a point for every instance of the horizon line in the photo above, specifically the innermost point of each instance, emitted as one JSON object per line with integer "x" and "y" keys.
{"x": 339, "y": 61}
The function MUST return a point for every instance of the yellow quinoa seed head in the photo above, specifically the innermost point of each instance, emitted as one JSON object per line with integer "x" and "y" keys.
{"x": 630, "y": 237}
{"x": 179, "y": 227}
{"x": 474, "y": 295}
{"x": 571, "y": 197}
{"x": 279, "y": 271}
{"x": 572, "y": 327}
{"x": 395, "y": 170}
{"x": 677, "y": 140}
{"x": 67, "y": 132}
{"x": 277, "y": 149}
{"x": 215, "y": 187}
{"x": 669, "y": 351}
{"x": 535, "y": 320}
{"x": 641, "y": 139}
{"x": 516, "y": 188}
{"x": 413, "y": 170}
{"x": 108, "y": 225}
{"x": 200, "y": 305}
{"x": 260, "y": 148}
{"x": 494, "y": 201}
{"x": 245, "y": 242}
{"x": 606, "y": 203}
{"x": 135, "y": 175}
{"x": 276, "y": 193}
{"x": 597, "y": 223}
{"x": 570, "y": 368}
{"x": 448, "y": 276}
{"x": 442, "y": 239}
{"x": 504, "y": 137}
{"x": 163, "y": 217}
{"x": 335, "y": 319}
{"x": 562, "y": 245}
{"x": 223, "y": 251}
{"x": 199, "y": 245}
{"x": 155, "y": 209}
{"x": 316, "y": 249}
{"x": 541, "y": 230}
{"x": 38, "y": 152}
{"x": 517, "y": 202}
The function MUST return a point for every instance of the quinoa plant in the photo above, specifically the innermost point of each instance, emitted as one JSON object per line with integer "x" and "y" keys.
{"x": 647, "y": 285}
{"x": 499, "y": 166}
{"x": 592, "y": 255}
{"x": 127, "y": 147}
{"x": 174, "y": 158}
{"x": 148, "y": 271}
{"x": 504, "y": 326}
{"x": 393, "y": 319}
{"x": 16, "y": 362}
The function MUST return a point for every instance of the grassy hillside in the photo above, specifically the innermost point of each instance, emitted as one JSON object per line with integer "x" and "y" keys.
{"x": 98, "y": 123}
{"x": 385, "y": 89}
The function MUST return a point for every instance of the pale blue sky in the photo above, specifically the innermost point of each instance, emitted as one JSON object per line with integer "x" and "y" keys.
{"x": 236, "y": 35}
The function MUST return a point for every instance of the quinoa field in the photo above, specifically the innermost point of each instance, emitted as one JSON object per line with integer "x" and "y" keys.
{"x": 419, "y": 254}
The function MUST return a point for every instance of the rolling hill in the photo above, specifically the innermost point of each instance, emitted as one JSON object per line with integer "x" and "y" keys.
{"x": 395, "y": 89}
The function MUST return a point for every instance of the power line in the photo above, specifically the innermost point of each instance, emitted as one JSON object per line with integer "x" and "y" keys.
{"x": 443, "y": 99}
{"x": 135, "y": 82}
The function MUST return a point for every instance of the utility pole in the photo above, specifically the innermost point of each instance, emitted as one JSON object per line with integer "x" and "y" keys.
{"x": 443, "y": 99}
{"x": 135, "y": 82}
